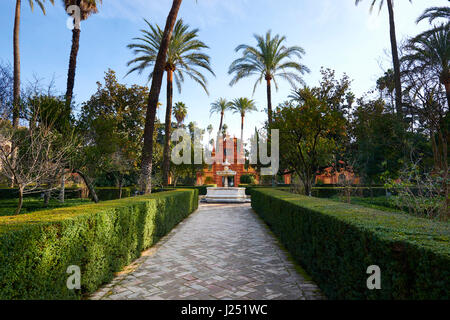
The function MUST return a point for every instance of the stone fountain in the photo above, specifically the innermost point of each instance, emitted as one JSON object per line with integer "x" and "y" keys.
{"x": 226, "y": 194}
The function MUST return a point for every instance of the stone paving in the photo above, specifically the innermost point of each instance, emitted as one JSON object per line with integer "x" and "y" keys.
{"x": 220, "y": 252}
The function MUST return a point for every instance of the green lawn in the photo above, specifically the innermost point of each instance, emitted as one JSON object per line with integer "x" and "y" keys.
{"x": 8, "y": 207}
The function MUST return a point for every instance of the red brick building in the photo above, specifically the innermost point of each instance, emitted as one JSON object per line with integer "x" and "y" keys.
{"x": 229, "y": 148}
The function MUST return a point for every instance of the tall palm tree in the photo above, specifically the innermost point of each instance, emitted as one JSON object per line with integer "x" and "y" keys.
{"x": 269, "y": 60}
{"x": 184, "y": 57}
{"x": 16, "y": 47}
{"x": 433, "y": 14}
{"x": 220, "y": 106}
{"x": 210, "y": 129}
{"x": 145, "y": 182}
{"x": 243, "y": 106}
{"x": 394, "y": 49}
{"x": 87, "y": 8}
{"x": 431, "y": 53}
{"x": 180, "y": 113}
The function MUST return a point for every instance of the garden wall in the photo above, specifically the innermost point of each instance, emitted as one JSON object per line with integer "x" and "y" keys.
{"x": 336, "y": 242}
{"x": 36, "y": 249}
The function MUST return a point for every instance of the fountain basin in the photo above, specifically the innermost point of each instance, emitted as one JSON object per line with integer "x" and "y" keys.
{"x": 226, "y": 195}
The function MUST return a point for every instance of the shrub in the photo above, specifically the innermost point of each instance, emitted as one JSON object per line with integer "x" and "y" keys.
{"x": 105, "y": 193}
{"x": 247, "y": 179}
{"x": 13, "y": 193}
{"x": 328, "y": 192}
{"x": 202, "y": 190}
{"x": 209, "y": 180}
{"x": 36, "y": 249}
{"x": 336, "y": 242}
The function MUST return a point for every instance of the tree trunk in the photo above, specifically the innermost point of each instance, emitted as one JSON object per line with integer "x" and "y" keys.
{"x": 72, "y": 65}
{"x": 395, "y": 60}
{"x": 19, "y": 205}
{"x": 16, "y": 89}
{"x": 145, "y": 184}
{"x": 168, "y": 128}
{"x": 221, "y": 121}
{"x": 242, "y": 130}
{"x": 46, "y": 197}
{"x": 269, "y": 102}
{"x": 62, "y": 191}
{"x": 16, "y": 84}
{"x": 89, "y": 185}
{"x": 120, "y": 186}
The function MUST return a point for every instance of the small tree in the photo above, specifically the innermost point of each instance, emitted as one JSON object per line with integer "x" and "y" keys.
{"x": 41, "y": 154}
{"x": 421, "y": 193}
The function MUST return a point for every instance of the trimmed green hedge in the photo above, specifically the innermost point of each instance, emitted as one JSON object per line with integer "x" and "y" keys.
{"x": 36, "y": 249}
{"x": 13, "y": 193}
{"x": 336, "y": 242}
{"x": 325, "y": 192}
{"x": 202, "y": 190}
{"x": 328, "y": 192}
{"x": 107, "y": 193}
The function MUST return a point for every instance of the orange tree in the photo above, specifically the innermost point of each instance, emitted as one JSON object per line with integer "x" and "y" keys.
{"x": 312, "y": 131}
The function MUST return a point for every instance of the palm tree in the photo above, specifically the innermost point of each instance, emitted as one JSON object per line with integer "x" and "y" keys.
{"x": 16, "y": 47}
{"x": 394, "y": 49}
{"x": 220, "y": 106}
{"x": 145, "y": 182}
{"x": 87, "y": 8}
{"x": 184, "y": 57}
{"x": 433, "y": 14}
{"x": 224, "y": 130}
{"x": 210, "y": 129}
{"x": 431, "y": 53}
{"x": 243, "y": 106}
{"x": 269, "y": 60}
{"x": 180, "y": 113}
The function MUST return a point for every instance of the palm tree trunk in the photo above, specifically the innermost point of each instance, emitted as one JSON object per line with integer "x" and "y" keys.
{"x": 72, "y": 65}
{"x": 395, "y": 60}
{"x": 16, "y": 89}
{"x": 269, "y": 101}
{"x": 168, "y": 127}
{"x": 240, "y": 151}
{"x": 145, "y": 184}
{"x": 242, "y": 130}
{"x": 221, "y": 121}
{"x": 16, "y": 84}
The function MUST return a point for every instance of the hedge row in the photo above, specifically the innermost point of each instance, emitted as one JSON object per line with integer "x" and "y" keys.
{"x": 13, "y": 193}
{"x": 336, "y": 242}
{"x": 327, "y": 192}
{"x": 202, "y": 190}
{"x": 36, "y": 249}
{"x": 108, "y": 193}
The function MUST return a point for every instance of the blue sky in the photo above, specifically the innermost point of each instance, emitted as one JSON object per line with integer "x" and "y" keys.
{"x": 334, "y": 33}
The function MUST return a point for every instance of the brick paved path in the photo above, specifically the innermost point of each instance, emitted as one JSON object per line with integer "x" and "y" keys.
{"x": 219, "y": 252}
